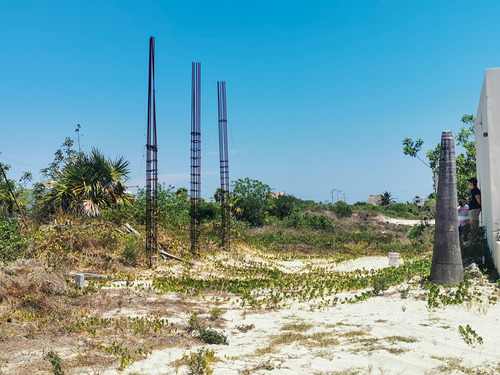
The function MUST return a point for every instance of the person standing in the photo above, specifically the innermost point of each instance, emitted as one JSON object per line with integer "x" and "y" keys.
{"x": 474, "y": 203}
{"x": 463, "y": 215}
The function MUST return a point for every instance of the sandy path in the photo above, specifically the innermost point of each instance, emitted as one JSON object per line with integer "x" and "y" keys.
{"x": 386, "y": 334}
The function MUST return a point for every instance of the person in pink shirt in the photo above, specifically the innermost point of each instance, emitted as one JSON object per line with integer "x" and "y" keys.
{"x": 463, "y": 215}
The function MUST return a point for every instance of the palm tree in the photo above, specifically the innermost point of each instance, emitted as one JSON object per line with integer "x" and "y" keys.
{"x": 89, "y": 182}
{"x": 386, "y": 199}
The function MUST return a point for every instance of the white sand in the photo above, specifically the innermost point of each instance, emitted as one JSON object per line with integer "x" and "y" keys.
{"x": 385, "y": 334}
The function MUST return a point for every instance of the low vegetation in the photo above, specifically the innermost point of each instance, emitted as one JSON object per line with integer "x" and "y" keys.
{"x": 284, "y": 251}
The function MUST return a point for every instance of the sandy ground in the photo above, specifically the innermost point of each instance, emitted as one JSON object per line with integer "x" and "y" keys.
{"x": 408, "y": 222}
{"x": 393, "y": 333}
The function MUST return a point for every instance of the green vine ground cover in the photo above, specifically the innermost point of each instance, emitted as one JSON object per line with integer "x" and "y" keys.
{"x": 254, "y": 279}
{"x": 259, "y": 286}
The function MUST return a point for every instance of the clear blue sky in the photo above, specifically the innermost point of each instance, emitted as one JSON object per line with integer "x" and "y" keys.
{"x": 320, "y": 94}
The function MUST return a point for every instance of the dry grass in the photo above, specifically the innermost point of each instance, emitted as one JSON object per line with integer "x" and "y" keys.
{"x": 42, "y": 310}
{"x": 92, "y": 329}
{"x": 455, "y": 365}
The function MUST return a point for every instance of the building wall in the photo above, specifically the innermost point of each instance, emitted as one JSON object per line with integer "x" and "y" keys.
{"x": 487, "y": 134}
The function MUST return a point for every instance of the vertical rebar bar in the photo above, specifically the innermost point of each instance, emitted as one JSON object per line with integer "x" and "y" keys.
{"x": 224, "y": 166}
{"x": 151, "y": 163}
{"x": 195, "y": 155}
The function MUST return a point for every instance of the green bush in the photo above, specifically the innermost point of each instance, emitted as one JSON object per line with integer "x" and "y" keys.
{"x": 397, "y": 207}
{"x": 342, "y": 209}
{"x": 198, "y": 362}
{"x": 173, "y": 207}
{"x": 475, "y": 249}
{"x": 11, "y": 241}
{"x": 404, "y": 215}
{"x": 55, "y": 360}
{"x": 252, "y": 201}
{"x": 119, "y": 215}
{"x": 207, "y": 335}
{"x": 416, "y": 231}
{"x": 133, "y": 246}
{"x": 209, "y": 211}
{"x": 318, "y": 222}
{"x": 430, "y": 206}
{"x": 210, "y": 336}
{"x": 295, "y": 220}
{"x": 284, "y": 206}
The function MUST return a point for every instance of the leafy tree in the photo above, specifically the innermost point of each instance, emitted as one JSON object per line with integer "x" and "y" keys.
{"x": 466, "y": 161}
{"x": 11, "y": 241}
{"x": 173, "y": 206}
{"x": 342, "y": 209}
{"x": 284, "y": 206}
{"x": 218, "y": 195}
{"x": 386, "y": 199}
{"x": 209, "y": 211}
{"x": 62, "y": 156}
{"x": 252, "y": 201}
{"x": 89, "y": 182}
{"x": 412, "y": 148}
{"x": 13, "y": 196}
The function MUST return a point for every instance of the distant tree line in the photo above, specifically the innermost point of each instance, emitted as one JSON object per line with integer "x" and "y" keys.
{"x": 92, "y": 187}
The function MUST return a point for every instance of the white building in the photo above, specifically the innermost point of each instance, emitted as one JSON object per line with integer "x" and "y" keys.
{"x": 419, "y": 201}
{"x": 487, "y": 134}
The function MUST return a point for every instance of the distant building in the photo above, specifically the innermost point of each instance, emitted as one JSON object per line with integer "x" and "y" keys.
{"x": 419, "y": 201}
{"x": 278, "y": 194}
{"x": 375, "y": 199}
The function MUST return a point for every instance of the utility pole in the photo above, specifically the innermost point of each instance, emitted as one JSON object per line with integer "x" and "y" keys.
{"x": 332, "y": 193}
{"x": 77, "y": 130}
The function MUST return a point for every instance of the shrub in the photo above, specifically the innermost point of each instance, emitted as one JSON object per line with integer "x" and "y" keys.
{"x": 55, "y": 361}
{"x": 295, "y": 220}
{"x": 252, "y": 201}
{"x": 416, "y": 231}
{"x": 207, "y": 335}
{"x": 133, "y": 246}
{"x": 210, "y": 336}
{"x": 209, "y": 211}
{"x": 119, "y": 214}
{"x": 216, "y": 313}
{"x": 198, "y": 362}
{"x": 173, "y": 207}
{"x": 430, "y": 206}
{"x": 366, "y": 214}
{"x": 379, "y": 285}
{"x": 284, "y": 206}
{"x": 342, "y": 209}
{"x": 11, "y": 241}
{"x": 318, "y": 222}
{"x": 475, "y": 249}
{"x": 397, "y": 207}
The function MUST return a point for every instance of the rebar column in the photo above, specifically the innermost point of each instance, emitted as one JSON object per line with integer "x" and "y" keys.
{"x": 447, "y": 265}
{"x": 224, "y": 167}
{"x": 151, "y": 163}
{"x": 195, "y": 155}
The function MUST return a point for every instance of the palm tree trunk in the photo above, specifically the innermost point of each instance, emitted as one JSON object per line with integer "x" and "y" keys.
{"x": 447, "y": 265}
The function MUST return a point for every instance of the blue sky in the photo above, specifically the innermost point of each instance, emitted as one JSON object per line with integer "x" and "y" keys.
{"x": 320, "y": 94}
